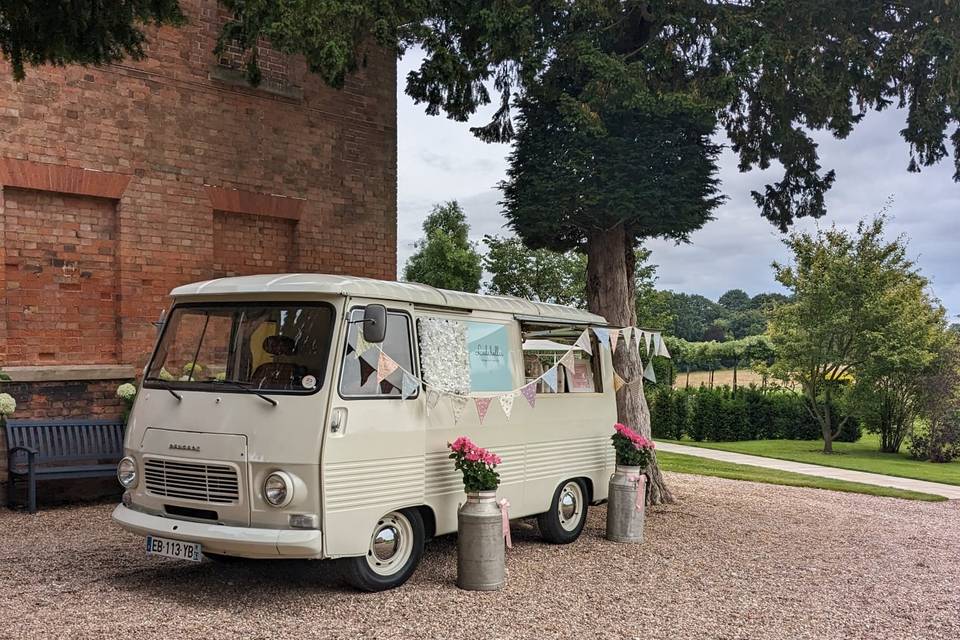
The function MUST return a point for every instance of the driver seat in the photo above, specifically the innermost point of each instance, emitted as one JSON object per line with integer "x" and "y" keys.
{"x": 277, "y": 375}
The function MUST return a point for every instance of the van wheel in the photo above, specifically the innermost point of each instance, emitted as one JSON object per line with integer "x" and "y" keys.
{"x": 396, "y": 545}
{"x": 567, "y": 515}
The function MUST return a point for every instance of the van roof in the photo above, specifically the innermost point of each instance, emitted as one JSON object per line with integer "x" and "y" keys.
{"x": 384, "y": 290}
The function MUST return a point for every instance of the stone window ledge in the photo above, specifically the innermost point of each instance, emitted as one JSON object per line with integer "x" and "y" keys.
{"x": 238, "y": 78}
{"x": 70, "y": 372}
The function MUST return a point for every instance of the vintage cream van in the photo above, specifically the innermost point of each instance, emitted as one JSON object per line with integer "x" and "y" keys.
{"x": 261, "y": 432}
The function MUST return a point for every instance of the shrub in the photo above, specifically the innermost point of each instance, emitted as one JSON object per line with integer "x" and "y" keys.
{"x": 937, "y": 443}
{"x": 666, "y": 420}
{"x": 745, "y": 413}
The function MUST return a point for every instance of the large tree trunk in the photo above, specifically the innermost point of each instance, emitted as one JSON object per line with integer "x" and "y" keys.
{"x": 611, "y": 292}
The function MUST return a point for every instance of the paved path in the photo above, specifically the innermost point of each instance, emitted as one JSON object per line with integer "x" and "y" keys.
{"x": 946, "y": 490}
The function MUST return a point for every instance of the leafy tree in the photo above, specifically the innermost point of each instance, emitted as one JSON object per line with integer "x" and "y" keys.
{"x": 766, "y": 301}
{"x": 692, "y": 315}
{"x": 36, "y": 32}
{"x": 735, "y": 300}
{"x": 894, "y": 380}
{"x": 850, "y": 294}
{"x": 445, "y": 257}
{"x": 653, "y": 309}
{"x": 536, "y": 274}
{"x": 749, "y": 322}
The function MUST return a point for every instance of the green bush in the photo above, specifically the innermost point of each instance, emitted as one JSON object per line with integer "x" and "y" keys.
{"x": 723, "y": 414}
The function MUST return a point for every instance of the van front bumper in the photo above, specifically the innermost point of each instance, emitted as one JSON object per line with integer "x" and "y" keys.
{"x": 244, "y": 542}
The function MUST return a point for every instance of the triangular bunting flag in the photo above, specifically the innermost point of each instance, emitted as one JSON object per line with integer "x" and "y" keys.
{"x": 614, "y": 336}
{"x": 567, "y": 361}
{"x": 457, "y": 404}
{"x": 506, "y": 403}
{"x": 361, "y": 346}
{"x": 385, "y": 366}
{"x": 603, "y": 336}
{"x": 550, "y": 377}
{"x": 627, "y": 335}
{"x": 646, "y": 339}
{"x": 433, "y": 397}
{"x": 649, "y": 373}
{"x": 530, "y": 393}
{"x": 617, "y": 382}
{"x": 656, "y": 344}
{"x": 483, "y": 405}
{"x": 662, "y": 351}
{"x": 409, "y": 386}
{"x": 366, "y": 370}
{"x": 584, "y": 342}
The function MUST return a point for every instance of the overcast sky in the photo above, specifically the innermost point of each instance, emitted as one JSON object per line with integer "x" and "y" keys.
{"x": 440, "y": 160}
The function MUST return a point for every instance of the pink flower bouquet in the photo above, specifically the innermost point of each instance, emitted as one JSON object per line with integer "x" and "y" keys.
{"x": 633, "y": 449}
{"x": 476, "y": 464}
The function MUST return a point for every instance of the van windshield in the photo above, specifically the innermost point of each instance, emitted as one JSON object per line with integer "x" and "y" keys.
{"x": 264, "y": 346}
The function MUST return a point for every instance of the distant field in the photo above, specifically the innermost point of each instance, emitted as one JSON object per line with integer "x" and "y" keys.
{"x": 720, "y": 377}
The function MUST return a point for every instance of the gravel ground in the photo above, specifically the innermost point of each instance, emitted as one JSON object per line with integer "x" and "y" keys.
{"x": 732, "y": 560}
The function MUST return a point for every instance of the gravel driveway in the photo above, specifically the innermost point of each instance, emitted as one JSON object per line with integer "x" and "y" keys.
{"x": 732, "y": 560}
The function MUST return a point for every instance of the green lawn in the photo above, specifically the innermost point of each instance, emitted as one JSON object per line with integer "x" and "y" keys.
{"x": 863, "y": 455}
{"x": 702, "y": 466}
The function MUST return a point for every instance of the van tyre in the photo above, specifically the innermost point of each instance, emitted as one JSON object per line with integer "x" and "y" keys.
{"x": 396, "y": 546}
{"x": 564, "y": 521}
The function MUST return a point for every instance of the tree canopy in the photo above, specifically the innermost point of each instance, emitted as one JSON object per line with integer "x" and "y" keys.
{"x": 36, "y": 32}
{"x": 445, "y": 257}
{"x": 770, "y": 71}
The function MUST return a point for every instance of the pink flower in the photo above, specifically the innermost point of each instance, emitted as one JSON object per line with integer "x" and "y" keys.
{"x": 461, "y": 444}
{"x": 639, "y": 441}
{"x": 491, "y": 458}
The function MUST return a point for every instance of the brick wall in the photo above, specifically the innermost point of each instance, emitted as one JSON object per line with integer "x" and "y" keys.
{"x": 252, "y": 244}
{"x": 122, "y": 182}
{"x": 61, "y": 279}
{"x": 169, "y": 129}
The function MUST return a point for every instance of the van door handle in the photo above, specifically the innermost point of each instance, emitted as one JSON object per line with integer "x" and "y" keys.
{"x": 338, "y": 420}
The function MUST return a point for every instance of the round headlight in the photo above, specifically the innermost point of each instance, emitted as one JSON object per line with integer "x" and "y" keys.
{"x": 278, "y": 489}
{"x": 127, "y": 472}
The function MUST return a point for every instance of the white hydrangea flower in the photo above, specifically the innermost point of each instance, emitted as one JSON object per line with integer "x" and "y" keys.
{"x": 127, "y": 392}
{"x": 7, "y": 404}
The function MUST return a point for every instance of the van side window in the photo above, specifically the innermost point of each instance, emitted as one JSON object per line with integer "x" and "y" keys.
{"x": 358, "y": 375}
{"x": 545, "y": 345}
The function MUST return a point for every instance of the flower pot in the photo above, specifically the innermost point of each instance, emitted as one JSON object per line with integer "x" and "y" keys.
{"x": 626, "y": 504}
{"x": 481, "y": 558}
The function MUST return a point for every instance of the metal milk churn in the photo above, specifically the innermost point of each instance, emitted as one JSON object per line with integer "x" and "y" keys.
{"x": 481, "y": 558}
{"x": 626, "y": 504}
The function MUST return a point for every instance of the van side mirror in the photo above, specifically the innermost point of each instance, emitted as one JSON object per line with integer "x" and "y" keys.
{"x": 374, "y": 323}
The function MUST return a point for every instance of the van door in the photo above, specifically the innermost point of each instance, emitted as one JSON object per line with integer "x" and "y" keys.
{"x": 372, "y": 460}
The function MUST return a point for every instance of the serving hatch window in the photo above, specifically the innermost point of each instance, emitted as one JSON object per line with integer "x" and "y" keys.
{"x": 268, "y": 347}
{"x": 545, "y": 345}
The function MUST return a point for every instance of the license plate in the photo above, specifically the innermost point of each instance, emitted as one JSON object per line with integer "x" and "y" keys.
{"x": 173, "y": 549}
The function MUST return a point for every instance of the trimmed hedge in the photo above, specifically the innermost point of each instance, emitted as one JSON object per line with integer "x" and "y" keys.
{"x": 723, "y": 414}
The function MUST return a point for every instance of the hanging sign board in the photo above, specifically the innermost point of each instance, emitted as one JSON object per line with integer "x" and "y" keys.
{"x": 488, "y": 344}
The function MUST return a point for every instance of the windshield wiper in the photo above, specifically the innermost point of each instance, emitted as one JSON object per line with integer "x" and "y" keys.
{"x": 244, "y": 386}
{"x": 164, "y": 385}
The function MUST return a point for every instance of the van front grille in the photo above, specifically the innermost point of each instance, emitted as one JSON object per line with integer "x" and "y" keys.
{"x": 214, "y": 483}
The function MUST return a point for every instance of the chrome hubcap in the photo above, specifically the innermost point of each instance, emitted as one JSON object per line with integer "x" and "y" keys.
{"x": 386, "y": 542}
{"x": 391, "y": 544}
{"x": 570, "y": 506}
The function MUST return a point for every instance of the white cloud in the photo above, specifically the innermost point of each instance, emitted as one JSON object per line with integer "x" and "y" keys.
{"x": 440, "y": 160}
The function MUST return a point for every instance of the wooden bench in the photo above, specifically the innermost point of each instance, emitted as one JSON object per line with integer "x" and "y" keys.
{"x": 59, "y": 449}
